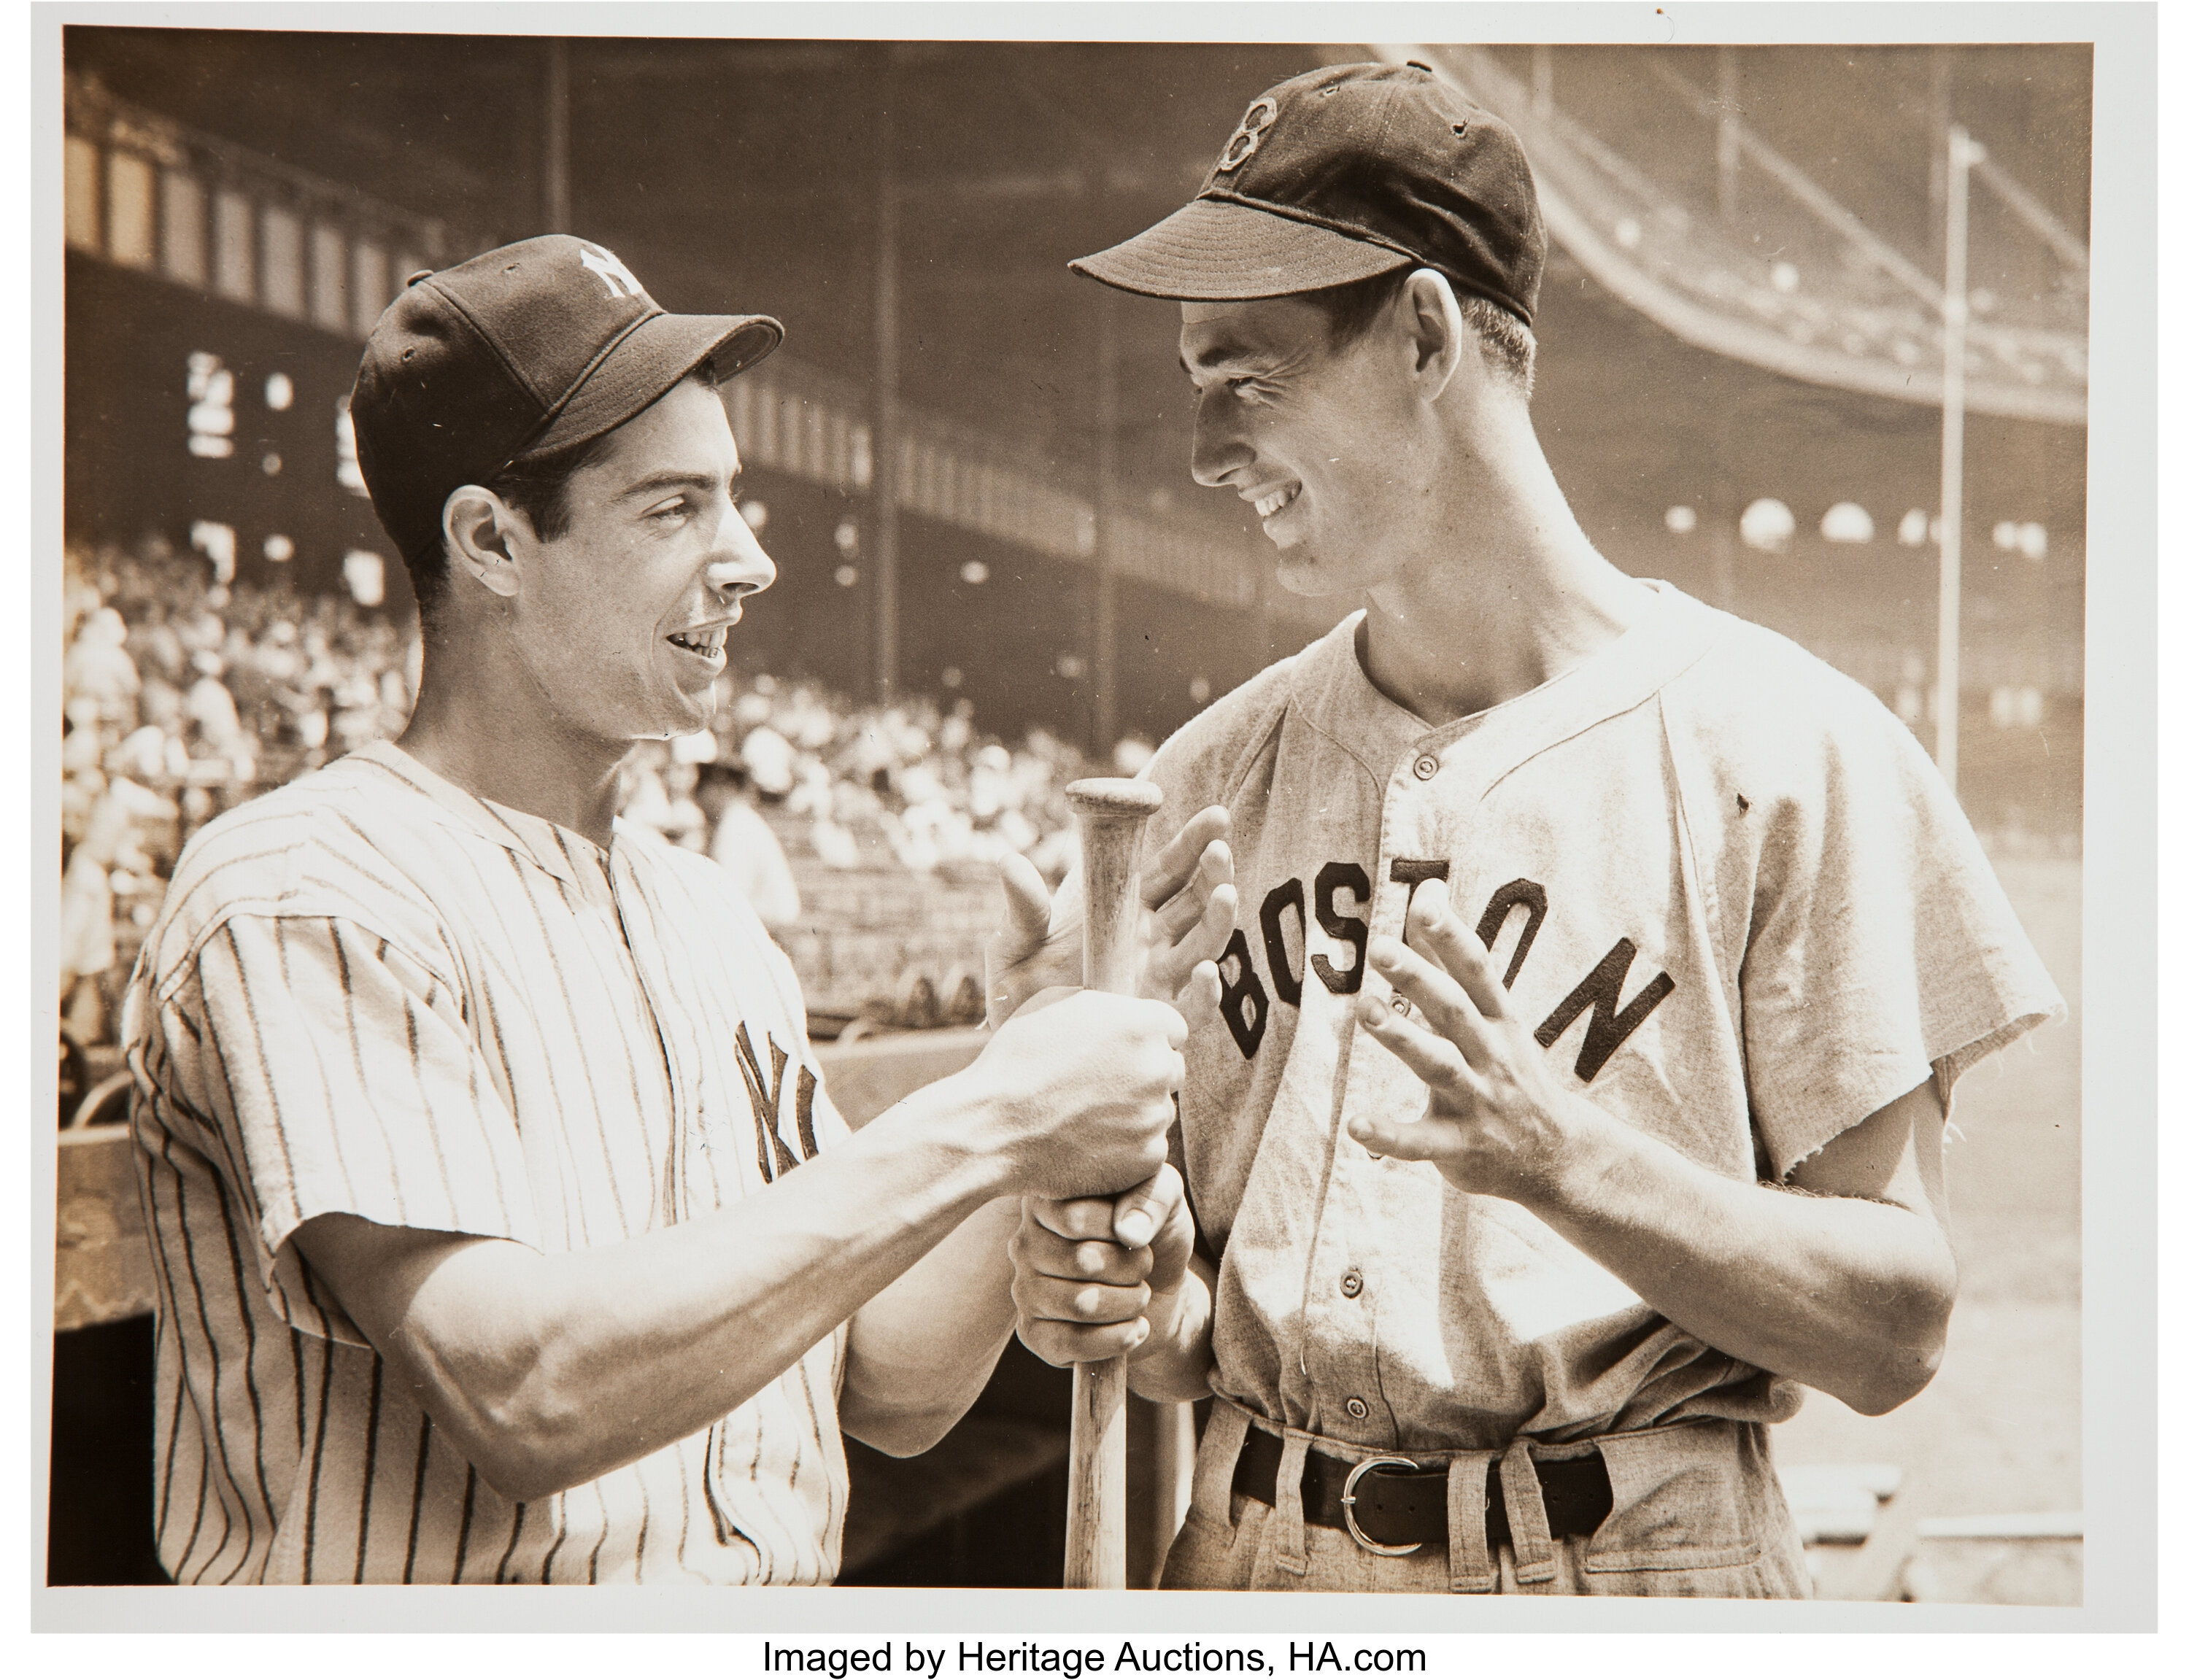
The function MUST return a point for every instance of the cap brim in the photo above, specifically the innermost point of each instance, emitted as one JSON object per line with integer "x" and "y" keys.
{"x": 1213, "y": 251}
{"x": 646, "y": 362}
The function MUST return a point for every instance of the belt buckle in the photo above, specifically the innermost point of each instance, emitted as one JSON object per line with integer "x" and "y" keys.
{"x": 1345, "y": 1504}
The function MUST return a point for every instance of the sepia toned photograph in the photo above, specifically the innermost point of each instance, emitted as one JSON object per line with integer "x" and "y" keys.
{"x": 1229, "y": 816}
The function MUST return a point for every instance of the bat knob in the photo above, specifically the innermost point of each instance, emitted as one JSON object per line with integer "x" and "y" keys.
{"x": 1114, "y": 796}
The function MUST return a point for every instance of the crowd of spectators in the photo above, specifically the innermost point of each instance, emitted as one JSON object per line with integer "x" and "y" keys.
{"x": 183, "y": 697}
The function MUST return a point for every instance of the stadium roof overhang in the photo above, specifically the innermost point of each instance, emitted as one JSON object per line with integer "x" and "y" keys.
{"x": 1872, "y": 323}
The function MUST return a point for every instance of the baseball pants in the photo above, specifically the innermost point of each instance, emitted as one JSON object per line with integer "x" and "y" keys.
{"x": 1697, "y": 1514}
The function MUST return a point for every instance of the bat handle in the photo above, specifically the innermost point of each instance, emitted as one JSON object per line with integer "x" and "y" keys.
{"x": 1112, "y": 812}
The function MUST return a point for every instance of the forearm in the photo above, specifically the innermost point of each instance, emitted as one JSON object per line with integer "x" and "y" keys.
{"x": 551, "y": 1370}
{"x": 1847, "y": 1294}
{"x": 922, "y": 1349}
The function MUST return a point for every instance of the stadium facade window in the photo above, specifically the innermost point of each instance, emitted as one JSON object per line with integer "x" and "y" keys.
{"x": 839, "y": 455}
{"x": 211, "y": 417}
{"x": 132, "y": 239}
{"x": 347, "y": 474}
{"x": 80, "y": 193}
{"x": 793, "y": 434}
{"x": 281, "y": 262}
{"x": 764, "y": 412}
{"x": 330, "y": 279}
{"x": 183, "y": 226}
{"x": 234, "y": 247}
{"x": 367, "y": 574}
{"x": 368, "y": 286}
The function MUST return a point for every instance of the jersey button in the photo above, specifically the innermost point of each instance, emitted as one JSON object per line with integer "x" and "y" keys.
{"x": 1356, "y": 1408}
{"x": 1425, "y": 767}
{"x": 1351, "y": 1283}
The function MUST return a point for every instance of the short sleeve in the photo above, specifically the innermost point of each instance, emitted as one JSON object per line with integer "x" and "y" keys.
{"x": 341, "y": 1078}
{"x": 1882, "y": 951}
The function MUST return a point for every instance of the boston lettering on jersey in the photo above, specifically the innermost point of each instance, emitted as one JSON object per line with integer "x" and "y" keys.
{"x": 1244, "y": 1002}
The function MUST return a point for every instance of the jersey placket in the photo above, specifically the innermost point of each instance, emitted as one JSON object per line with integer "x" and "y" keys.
{"x": 1349, "y": 1278}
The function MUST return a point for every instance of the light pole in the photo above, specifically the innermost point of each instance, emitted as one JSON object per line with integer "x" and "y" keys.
{"x": 1961, "y": 154}
{"x": 884, "y": 505}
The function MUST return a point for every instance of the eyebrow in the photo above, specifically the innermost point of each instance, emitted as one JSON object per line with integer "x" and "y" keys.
{"x": 1216, "y": 356}
{"x": 674, "y": 479}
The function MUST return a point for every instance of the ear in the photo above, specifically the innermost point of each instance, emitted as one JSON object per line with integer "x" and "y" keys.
{"x": 1436, "y": 333}
{"x": 477, "y": 526}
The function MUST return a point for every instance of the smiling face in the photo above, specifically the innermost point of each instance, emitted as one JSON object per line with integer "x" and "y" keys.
{"x": 1328, "y": 445}
{"x": 621, "y": 620}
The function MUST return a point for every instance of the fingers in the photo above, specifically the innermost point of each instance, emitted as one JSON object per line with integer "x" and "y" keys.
{"x": 1427, "y": 1139}
{"x": 1026, "y": 898}
{"x": 1438, "y": 1004}
{"x": 1077, "y": 1300}
{"x": 1202, "y": 995}
{"x": 1146, "y": 1208}
{"x": 1433, "y": 930}
{"x": 1186, "y": 855}
{"x": 1178, "y": 911}
{"x": 1023, "y": 956}
{"x": 1432, "y": 1055}
{"x": 1198, "y": 941}
{"x": 1197, "y": 901}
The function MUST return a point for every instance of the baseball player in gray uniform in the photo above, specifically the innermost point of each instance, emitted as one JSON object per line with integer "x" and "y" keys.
{"x": 1603, "y": 969}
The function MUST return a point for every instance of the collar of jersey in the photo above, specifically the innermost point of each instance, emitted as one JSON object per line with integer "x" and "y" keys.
{"x": 536, "y": 840}
{"x": 1336, "y": 696}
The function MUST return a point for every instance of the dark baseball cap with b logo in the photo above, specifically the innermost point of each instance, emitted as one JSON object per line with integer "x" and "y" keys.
{"x": 1341, "y": 174}
{"x": 538, "y": 346}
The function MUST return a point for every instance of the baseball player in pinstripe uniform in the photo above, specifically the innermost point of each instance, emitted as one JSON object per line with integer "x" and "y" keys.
{"x": 1603, "y": 968}
{"x": 504, "y": 1230}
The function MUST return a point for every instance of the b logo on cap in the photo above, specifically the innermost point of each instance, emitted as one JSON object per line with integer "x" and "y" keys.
{"x": 618, "y": 279}
{"x": 1248, "y": 136}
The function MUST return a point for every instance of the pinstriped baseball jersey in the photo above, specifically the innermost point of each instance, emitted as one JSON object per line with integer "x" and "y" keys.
{"x": 1727, "y": 889}
{"x": 370, "y": 993}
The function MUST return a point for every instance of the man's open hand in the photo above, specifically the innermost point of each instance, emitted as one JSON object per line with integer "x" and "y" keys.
{"x": 1498, "y": 1123}
{"x": 1191, "y": 907}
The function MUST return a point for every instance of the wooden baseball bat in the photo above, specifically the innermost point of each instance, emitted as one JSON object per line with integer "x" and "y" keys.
{"x": 1112, "y": 812}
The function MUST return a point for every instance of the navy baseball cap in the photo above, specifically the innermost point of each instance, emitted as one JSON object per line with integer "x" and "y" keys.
{"x": 1344, "y": 174}
{"x": 540, "y": 346}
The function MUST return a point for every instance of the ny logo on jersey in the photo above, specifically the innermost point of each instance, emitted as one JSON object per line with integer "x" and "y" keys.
{"x": 604, "y": 262}
{"x": 1245, "y": 1005}
{"x": 767, "y": 1092}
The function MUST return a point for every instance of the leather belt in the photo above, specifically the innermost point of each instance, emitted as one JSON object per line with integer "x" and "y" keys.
{"x": 1390, "y": 1508}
